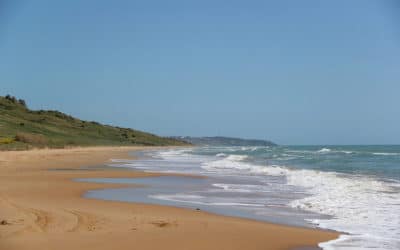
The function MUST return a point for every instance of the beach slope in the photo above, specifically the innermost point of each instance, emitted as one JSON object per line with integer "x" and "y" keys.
{"x": 42, "y": 208}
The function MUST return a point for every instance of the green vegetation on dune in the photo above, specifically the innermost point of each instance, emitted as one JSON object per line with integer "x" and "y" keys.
{"x": 22, "y": 128}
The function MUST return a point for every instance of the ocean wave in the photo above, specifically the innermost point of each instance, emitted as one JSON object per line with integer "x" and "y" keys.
{"x": 236, "y": 157}
{"x": 320, "y": 151}
{"x": 235, "y": 164}
{"x": 242, "y": 188}
{"x": 324, "y": 150}
{"x": 365, "y": 207}
{"x": 220, "y": 155}
{"x": 359, "y": 205}
{"x": 174, "y": 153}
{"x": 385, "y": 154}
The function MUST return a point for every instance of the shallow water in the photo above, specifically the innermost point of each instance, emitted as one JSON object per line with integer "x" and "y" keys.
{"x": 194, "y": 193}
{"x": 353, "y": 189}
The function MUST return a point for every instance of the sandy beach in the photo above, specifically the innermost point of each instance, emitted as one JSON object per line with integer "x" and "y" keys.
{"x": 41, "y": 208}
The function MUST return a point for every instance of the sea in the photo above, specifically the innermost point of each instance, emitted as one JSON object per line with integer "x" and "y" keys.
{"x": 354, "y": 190}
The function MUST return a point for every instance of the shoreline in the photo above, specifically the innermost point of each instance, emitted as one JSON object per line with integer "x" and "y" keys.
{"x": 45, "y": 209}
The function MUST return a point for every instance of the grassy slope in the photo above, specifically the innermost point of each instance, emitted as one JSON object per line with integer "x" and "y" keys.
{"x": 55, "y": 129}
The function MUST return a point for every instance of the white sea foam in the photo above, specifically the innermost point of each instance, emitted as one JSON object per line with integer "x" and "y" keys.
{"x": 235, "y": 164}
{"x": 386, "y": 154}
{"x": 324, "y": 150}
{"x": 199, "y": 200}
{"x": 359, "y": 205}
{"x": 366, "y": 208}
{"x": 175, "y": 154}
{"x": 120, "y": 160}
{"x": 242, "y": 188}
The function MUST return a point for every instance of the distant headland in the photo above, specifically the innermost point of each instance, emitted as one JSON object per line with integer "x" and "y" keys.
{"x": 223, "y": 141}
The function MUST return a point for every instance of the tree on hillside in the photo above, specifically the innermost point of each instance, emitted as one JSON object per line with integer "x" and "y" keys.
{"x": 11, "y": 98}
{"x": 22, "y": 102}
{"x": 15, "y": 100}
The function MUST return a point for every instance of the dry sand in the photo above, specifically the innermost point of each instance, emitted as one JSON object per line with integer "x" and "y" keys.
{"x": 42, "y": 209}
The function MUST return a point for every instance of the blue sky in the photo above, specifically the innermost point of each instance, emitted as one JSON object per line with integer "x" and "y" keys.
{"x": 295, "y": 72}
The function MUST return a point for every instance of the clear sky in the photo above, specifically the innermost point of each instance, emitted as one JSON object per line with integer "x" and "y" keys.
{"x": 295, "y": 72}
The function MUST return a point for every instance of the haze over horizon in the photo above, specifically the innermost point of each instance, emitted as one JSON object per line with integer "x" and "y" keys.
{"x": 292, "y": 72}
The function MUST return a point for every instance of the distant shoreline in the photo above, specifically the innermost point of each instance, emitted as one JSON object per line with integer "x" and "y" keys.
{"x": 39, "y": 207}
